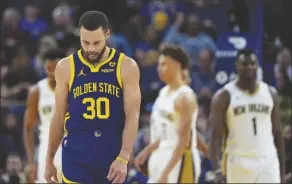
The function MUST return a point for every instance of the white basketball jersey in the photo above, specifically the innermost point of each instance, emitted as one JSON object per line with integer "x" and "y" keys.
{"x": 155, "y": 129}
{"x": 249, "y": 122}
{"x": 165, "y": 120}
{"x": 46, "y": 108}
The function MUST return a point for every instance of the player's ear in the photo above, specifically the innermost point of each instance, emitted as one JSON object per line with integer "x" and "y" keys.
{"x": 108, "y": 33}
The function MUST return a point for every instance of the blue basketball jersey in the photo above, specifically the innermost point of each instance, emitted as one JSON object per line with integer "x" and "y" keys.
{"x": 95, "y": 118}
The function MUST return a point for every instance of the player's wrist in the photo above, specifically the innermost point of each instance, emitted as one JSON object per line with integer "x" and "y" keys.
{"x": 165, "y": 173}
{"x": 125, "y": 155}
{"x": 49, "y": 159}
{"x": 122, "y": 160}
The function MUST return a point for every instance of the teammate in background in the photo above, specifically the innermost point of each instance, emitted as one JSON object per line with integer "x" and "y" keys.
{"x": 41, "y": 104}
{"x": 98, "y": 87}
{"x": 173, "y": 124}
{"x": 245, "y": 112}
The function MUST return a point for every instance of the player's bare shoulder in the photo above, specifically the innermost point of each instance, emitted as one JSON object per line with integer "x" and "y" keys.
{"x": 221, "y": 97}
{"x": 188, "y": 96}
{"x": 129, "y": 68}
{"x": 187, "y": 99}
{"x": 219, "y": 106}
{"x": 33, "y": 94}
{"x": 34, "y": 90}
{"x": 63, "y": 69}
{"x": 129, "y": 65}
{"x": 273, "y": 92}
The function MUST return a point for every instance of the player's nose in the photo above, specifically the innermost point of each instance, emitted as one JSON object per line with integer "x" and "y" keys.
{"x": 91, "y": 48}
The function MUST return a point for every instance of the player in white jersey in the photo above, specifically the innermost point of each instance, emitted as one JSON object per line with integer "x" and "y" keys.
{"x": 174, "y": 156}
{"x": 155, "y": 130}
{"x": 41, "y": 104}
{"x": 245, "y": 112}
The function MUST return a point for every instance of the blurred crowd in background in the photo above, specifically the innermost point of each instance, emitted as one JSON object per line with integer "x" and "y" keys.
{"x": 138, "y": 28}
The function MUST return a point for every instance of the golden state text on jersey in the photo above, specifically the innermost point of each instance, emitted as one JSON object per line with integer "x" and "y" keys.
{"x": 95, "y": 118}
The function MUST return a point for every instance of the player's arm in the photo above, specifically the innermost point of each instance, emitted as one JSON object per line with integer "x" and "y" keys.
{"x": 185, "y": 106}
{"x": 132, "y": 98}
{"x": 62, "y": 75}
{"x": 277, "y": 131}
{"x": 151, "y": 147}
{"x": 145, "y": 153}
{"x": 30, "y": 118}
{"x": 202, "y": 146}
{"x": 219, "y": 106}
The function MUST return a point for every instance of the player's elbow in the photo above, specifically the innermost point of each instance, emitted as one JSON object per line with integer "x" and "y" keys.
{"x": 132, "y": 117}
{"x": 58, "y": 120}
{"x": 132, "y": 111}
{"x": 184, "y": 139}
{"x": 28, "y": 125}
{"x": 28, "y": 128}
{"x": 132, "y": 105}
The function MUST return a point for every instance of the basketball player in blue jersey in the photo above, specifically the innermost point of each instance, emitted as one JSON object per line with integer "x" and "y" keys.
{"x": 98, "y": 96}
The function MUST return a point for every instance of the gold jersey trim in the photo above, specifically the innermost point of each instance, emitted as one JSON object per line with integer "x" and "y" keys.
{"x": 72, "y": 71}
{"x": 119, "y": 76}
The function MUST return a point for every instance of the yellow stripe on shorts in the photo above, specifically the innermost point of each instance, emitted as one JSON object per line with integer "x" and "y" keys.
{"x": 187, "y": 172}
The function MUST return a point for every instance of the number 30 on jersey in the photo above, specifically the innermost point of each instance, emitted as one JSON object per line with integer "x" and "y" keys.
{"x": 99, "y": 108}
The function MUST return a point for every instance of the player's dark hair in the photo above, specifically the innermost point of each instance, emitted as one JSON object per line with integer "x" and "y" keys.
{"x": 92, "y": 20}
{"x": 14, "y": 154}
{"x": 54, "y": 54}
{"x": 176, "y": 53}
{"x": 246, "y": 52}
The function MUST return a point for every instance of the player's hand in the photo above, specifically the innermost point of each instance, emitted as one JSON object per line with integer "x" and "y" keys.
{"x": 51, "y": 173}
{"x": 140, "y": 160}
{"x": 117, "y": 172}
{"x": 31, "y": 172}
{"x": 219, "y": 178}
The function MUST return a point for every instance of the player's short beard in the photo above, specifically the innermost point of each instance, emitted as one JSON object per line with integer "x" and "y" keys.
{"x": 98, "y": 54}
